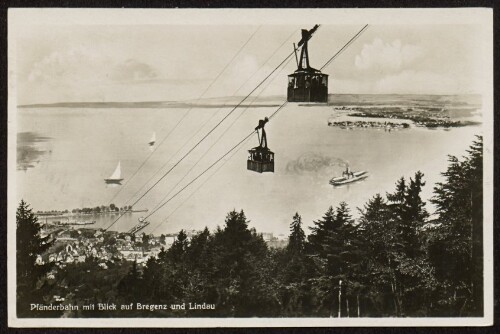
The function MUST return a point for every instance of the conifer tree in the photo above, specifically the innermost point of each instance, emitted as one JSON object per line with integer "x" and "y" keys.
{"x": 179, "y": 247}
{"x": 198, "y": 248}
{"x": 29, "y": 245}
{"x": 408, "y": 265}
{"x": 152, "y": 280}
{"x": 130, "y": 286}
{"x": 145, "y": 241}
{"x": 236, "y": 233}
{"x": 408, "y": 213}
{"x": 397, "y": 199}
{"x": 200, "y": 266}
{"x": 456, "y": 247}
{"x": 244, "y": 286}
{"x": 296, "y": 241}
{"x": 415, "y": 206}
{"x": 414, "y": 216}
{"x": 340, "y": 255}
{"x": 319, "y": 232}
{"x": 340, "y": 244}
{"x": 376, "y": 232}
{"x": 295, "y": 271}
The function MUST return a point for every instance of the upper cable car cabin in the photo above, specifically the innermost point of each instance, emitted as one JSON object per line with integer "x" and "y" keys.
{"x": 307, "y": 84}
{"x": 261, "y": 158}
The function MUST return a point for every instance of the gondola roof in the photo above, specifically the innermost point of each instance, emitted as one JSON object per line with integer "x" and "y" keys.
{"x": 310, "y": 70}
{"x": 261, "y": 149}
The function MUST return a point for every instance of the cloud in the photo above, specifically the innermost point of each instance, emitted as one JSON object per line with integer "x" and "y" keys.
{"x": 403, "y": 82}
{"x": 387, "y": 56}
{"x": 349, "y": 86}
{"x": 78, "y": 66}
{"x": 86, "y": 74}
{"x": 133, "y": 70}
{"x": 244, "y": 74}
{"x": 420, "y": 82}
{"x": 75, "y": 64}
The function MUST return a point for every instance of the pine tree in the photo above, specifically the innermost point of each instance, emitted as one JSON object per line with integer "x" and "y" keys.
{"x": 241, "y": 259}
{"x": 456, "y": 247}
{"x": 475, "y": 170}
{"x": 236, "y": 234}
{"x": 415, "y": 206}
{"x": 339, "y": 244}
{"x": 200, "y": 268}
{"x": 131, "y": 286}
{"x": 377, "y": 233}
{"x": 408, "y": 213}
{"x": 340, "y": 257}
{"x": 414, "y": 216}
{"x": 296, "y": 241}
{"x": 408, "y": 266}
{"x": 198, "y": 246}
{"x": 319, "y": 232}
{"x": 145, "y": 241}
{"x": 397, "y": 199}
{"x": 152, "y": 280}
{"x": 30, "y": 244}
{"x": 294, "y": 272}
{"x": 179, "y": 247}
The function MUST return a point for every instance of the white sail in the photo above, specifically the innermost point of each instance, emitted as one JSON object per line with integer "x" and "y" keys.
{"x": 117, "y": 173}
{"x": 153, "y": 139}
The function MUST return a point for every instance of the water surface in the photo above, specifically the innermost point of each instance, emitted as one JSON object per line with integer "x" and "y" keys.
{"x": 87, "y": 143}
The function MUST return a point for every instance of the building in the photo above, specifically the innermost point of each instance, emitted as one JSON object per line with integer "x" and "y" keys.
{"x": 267, "y": 236}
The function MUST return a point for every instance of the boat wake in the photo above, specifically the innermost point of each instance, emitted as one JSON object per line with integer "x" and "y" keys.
{"x": 313, "y": 162}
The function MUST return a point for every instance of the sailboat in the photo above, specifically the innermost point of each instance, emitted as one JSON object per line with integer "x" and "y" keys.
{"x": 152, "y": 141}
{"x": 115, "y": 178}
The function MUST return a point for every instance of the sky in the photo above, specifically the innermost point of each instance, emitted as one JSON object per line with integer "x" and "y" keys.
{"x": 125, "y": 63}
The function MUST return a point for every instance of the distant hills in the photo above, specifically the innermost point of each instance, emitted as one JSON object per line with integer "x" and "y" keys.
{"x": 275, "y": 101}
{"x": 218, "y": 102}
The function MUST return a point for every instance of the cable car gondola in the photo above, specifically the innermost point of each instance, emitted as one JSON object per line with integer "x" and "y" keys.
{"x": 307, "y": 84}
{"x": 261, "y": 158}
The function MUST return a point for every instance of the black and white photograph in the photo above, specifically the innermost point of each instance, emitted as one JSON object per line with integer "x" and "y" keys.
{"x": 250, "y": 167}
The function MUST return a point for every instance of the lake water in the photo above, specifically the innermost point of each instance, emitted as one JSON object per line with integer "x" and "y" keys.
{"x": 85, "y": 145}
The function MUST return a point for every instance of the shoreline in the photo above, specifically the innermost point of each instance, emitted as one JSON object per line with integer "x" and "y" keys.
{"x": 68, "y": 215}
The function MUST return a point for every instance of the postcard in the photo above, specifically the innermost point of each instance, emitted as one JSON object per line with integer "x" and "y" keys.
{"x": 250, "y": 167}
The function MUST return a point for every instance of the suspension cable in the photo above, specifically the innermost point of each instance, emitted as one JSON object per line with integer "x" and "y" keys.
{"x": 199, "y": 187}
{"x": 271, "y": 116}
{"x": 205, "y": 136}
{"x": 186, "y": 114}
{"x": 149, "y": 156}
{"x": 209, "y": 167}
{"x": 207, "y": 121}
{"x": 201, "y": 174}
{"x": 344, "y": 47}
{"x": 222, "y": 135}
{"x": 171, "y": 157}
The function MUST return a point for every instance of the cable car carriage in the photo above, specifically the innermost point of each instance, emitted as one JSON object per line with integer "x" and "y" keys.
{"x": 261, "y": 158}
{"x": 307, "y": 84}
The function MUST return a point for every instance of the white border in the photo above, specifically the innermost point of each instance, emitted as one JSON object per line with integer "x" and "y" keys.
{"x": 20, "y": 19}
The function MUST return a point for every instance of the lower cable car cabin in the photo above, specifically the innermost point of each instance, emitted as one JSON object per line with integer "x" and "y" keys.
{"x": 261, "y": 158}
{"x": 307, "y": 84}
